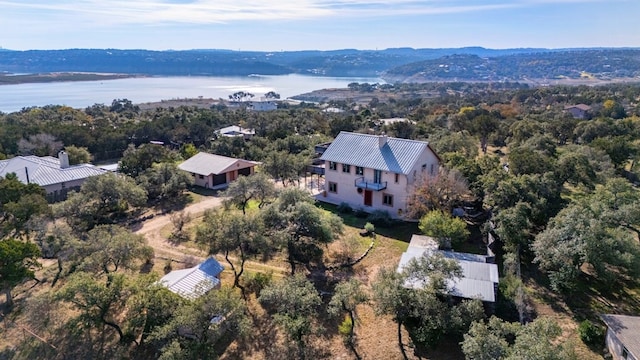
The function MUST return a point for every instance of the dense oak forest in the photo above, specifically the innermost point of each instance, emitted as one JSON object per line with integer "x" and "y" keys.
{"x": 558, "y": 193}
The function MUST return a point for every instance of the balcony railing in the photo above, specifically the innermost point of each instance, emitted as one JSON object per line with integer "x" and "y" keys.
{"x": 363, "y": 183}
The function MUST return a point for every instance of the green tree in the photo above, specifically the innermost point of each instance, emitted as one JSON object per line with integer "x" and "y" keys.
{"x": 230, "y": 233}
{"x": 188, "y": 150}
{"x": 198, "y": 327}
{"x": 136, "y": 160}
{"x": 446, "y": 229}
{"x": 301, "y": 226}
{"x": 293, "y": 303}
{"x": 102, "y": 200}
{"x": 599, "y": 231}
{"x": 166, "y": 183}
{"x": 246, "y": 188}
{"x": 346, "y": 297}
{"x": 77, "y": 155}
{"x": 17, "y": 262}
{"x": 438, "y": 192}
{"x": 18, "y": 214}
{"x": 424, "y": 309}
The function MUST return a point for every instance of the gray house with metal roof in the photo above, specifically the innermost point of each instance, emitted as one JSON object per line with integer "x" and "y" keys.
{"x": 216, "y": 171}
{"x": 479, "y": 278}
{"x": 375, "y": 172}
{"x": 55, "y": 175}
{"x": 623, "y": 336}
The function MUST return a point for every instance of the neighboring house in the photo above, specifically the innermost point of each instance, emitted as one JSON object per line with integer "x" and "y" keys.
{"x": 55, "y": 175}
{"x": 479, "y": 274}
{"x": 191, "y": 283}
{"x": 580, "y": 111}
{"x": 262, "y": 105}
{"x": 375, "y": 172}
{"x": 216, "y": 171}
{"x": 236, "y": 131}
{"x": 623, "y": 336}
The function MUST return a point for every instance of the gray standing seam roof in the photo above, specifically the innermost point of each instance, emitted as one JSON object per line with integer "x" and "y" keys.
{"x": 627, "y": 330}
{"x": 46, "y": 170}
{"x": 194, "y": 282}
{"x": 397, "y": 155}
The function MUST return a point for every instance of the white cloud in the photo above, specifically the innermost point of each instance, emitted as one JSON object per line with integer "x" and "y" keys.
{"x": 109, "y": 12}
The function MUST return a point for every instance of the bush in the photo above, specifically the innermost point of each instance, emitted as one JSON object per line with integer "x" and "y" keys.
{"x": 258, "y": 281}
{"x": 591, "y": 334}
{"x": 369, "y": 228}
{"x": 344, "y": 208}
{"x": 380, "y": 218}
{"x": 360, "y": 213}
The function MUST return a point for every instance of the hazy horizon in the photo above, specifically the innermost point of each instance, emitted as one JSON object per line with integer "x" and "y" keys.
{"x": 296, "y": 25}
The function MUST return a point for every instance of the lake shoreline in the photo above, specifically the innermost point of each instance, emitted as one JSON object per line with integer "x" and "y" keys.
{"x": 17, "y": 79}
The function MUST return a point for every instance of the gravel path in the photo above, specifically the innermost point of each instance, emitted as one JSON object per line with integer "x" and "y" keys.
{"x": 163, "y": 249}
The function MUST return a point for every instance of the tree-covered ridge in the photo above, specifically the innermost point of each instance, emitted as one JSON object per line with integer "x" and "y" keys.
{"x": 575, "y": 64}
{"x": 468, "y": 64}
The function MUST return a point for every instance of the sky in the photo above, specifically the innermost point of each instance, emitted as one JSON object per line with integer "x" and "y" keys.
{"x": 276, "y": 25}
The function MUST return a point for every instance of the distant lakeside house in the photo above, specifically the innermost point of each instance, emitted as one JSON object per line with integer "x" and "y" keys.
{"x": 623, "y": 336}
{"x": 579, "y": 111}
{"x": 55, "y": 175}
{"x": 236, "y": 131}
{"x": 375, "y": 172}
{"x": 479, "y": 278}
{"x": 216, "y": 171}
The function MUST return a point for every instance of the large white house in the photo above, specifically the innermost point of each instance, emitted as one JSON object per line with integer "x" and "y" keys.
{"x": 623, "y": 336}
{"x": 55, "y": 175}
{"x": 375, "y": 172}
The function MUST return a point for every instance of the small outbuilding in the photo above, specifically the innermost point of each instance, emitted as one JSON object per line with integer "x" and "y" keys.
{"x": 215, "y": 171}
{"x": 479, "y": 278}
{"x": 623, "y": 336}
{"x": 191, "y": 283}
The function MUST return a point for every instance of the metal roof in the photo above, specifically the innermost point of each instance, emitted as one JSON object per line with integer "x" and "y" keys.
{"x": 194, "y": 282}
{"x": 375, "y": 152}
{"x": 46, "y": 170}
{"x": 478, "y": 278}
{"x": 626, "y": 329}
{"x": 235, "y": 130}
{"x": 207, "y": 164}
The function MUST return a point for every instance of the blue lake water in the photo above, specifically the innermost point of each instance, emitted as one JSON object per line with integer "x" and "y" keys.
{"x": 80, "y": 94}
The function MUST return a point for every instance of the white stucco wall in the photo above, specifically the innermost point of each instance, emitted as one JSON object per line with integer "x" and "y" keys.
{"x": 615, "y": 347}
{"x": 348, "y": 192}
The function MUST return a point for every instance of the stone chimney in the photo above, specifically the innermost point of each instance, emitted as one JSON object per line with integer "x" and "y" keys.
{"x": 382, "y": 140}
{"x": 64, "y": 159}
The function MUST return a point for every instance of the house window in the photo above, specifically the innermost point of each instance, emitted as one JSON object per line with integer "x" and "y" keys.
{"x": 359, "y": 170}
{"x": 333, "y": 165}
{"x": 333, "y": 187}
{"x": 625, "y": 353}
{"x": 346, "y": 168}
{"x": 432, "y": 170}
{"x": 201, "y": 176}
{"x": 377, "y": 176}
{"x": 424, "y": 167}
{"x": 397, "y": 178}
{"x": 387, "y": 199}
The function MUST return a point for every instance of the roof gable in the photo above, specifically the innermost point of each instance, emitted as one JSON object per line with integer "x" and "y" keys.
{"x": 396, "y": 155}
{"x": 207, "y": 164}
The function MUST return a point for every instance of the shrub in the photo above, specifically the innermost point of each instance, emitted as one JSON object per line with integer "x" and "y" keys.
{"x": 360, "y": 213}
{"x": 369, "y": 227}
{"x": 591, "y": 334}
{"x": 344, "y": 208}
{"x": 380, "y": 218}
{"x": 258, "y": 281}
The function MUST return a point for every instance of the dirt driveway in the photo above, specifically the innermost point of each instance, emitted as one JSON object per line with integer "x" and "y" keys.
{"x": 151, "y": 229}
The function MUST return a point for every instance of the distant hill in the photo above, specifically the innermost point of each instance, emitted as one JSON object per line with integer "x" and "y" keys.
{"x": 603, "y": 64}
{"x": 396, "y": 64}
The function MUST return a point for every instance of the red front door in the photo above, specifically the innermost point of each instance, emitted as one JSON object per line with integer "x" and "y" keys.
{"x": 367, "y": 197}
